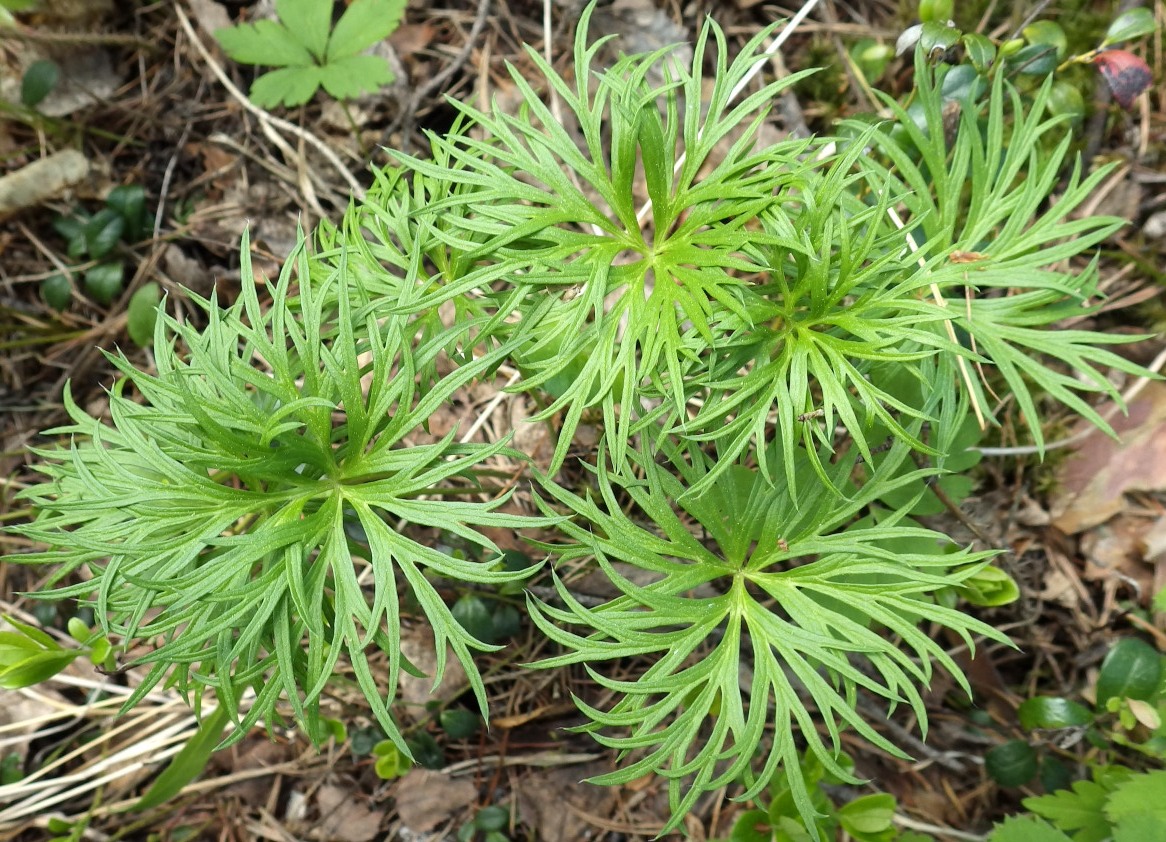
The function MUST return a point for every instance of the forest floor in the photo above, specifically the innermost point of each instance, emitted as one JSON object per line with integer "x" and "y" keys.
{"x": 147, "y": 98}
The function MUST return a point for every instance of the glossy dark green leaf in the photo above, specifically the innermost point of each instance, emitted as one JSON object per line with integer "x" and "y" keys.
{"x": 491, "y": 818}
{"x": 1131, "y": 670}
{"x": 103, "y": 282}
{"x": 189, "y": 763}
{"x": 129, "y": 201}
{"x": 38, "y": 82}
{"x": 57, "y": 291}
{"x": 1034, "y": 60}
{"x": 1012, "y": 764}
{"x": 459, "y": 723}
{"x": 1133, "y": 23}
{"x": 1052, "y": 712}
{"x": 474, "y": 616}
{"x": 425, "y": 750}
{"x": 981, "y": 50}
{"x": 103, "y": 231}
{"x": 937, "y": 37}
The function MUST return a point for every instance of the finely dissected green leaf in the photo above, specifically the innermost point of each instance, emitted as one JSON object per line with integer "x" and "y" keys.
{"x": 982, "y": 196}
{"x": 226, "y": 517}
{"x": 596, "y": 324}
{"x": 363, "y": 24}
{"x": 775, "y": 586}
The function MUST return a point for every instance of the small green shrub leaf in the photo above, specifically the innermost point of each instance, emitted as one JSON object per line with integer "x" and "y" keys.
{"x": 1130, "y": 24}
{"x": 391, "y": 762}
{"x": 1049, "y": 33}
{"x": 1052, "y": 712}
{"x": 103, "y": 231}
{"x": 459, "y": 723}
{"x": 1131, "y": 670}
{"x": 981, "y": 50}
{"x": 129, "y": 201}
{"x": 57, "y": 291}
{"x": 868, "y": 814}
{"x": 288, "y": 86}
{"x": 492, "y": 818}
{"x": 1011, "y": 764}
{"x": 474, "y": 616}
{"x": 38, "y": 82}
{"x": 103, "y": 282}
{"x": 935, "y": 10}
{"x": 1141, "y": 794}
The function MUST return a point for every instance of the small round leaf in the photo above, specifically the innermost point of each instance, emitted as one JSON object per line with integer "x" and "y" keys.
{"x": 1011, "y": 764}
{"x": 1049, "y": 33}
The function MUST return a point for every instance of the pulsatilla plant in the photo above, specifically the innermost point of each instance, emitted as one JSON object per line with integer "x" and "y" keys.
{"x": 223, "y": 517}
{"x": 781, "y": 344}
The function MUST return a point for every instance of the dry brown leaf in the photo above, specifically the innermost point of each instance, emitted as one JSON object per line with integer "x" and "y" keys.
{"x": 543, "y": 798}
{"x": 343, "y": 817}
{"x": 426, "y": 798}
{"x": 1094, "y": 478}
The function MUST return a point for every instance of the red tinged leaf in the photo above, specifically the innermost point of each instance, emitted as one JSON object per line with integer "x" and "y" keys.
{"x": 1125, "y": 73}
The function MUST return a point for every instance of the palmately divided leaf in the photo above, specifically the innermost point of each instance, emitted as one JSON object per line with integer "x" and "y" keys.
{"x": 226, "y": 519}
{"x": 363, "y": 24}
{"x": 796, "y": 592}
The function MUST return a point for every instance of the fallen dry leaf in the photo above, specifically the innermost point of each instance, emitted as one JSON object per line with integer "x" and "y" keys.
{"x": 543, "y": 800}
{"x": 1094, "y": 478}
{"x": 343, "y": 817}
{"x": 426, "y": 798}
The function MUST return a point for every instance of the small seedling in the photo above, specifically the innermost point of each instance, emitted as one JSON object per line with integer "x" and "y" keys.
{"x": 309, "y": 53}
